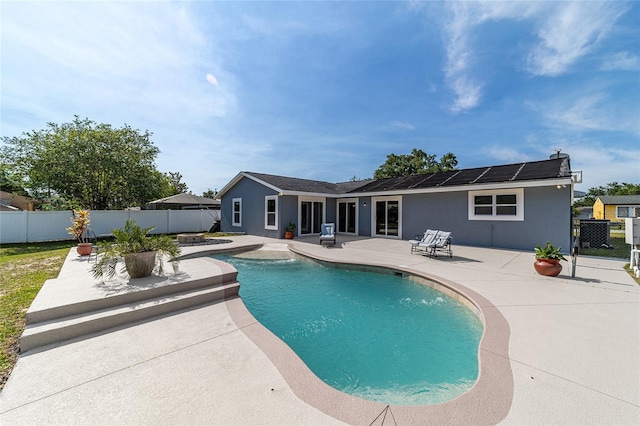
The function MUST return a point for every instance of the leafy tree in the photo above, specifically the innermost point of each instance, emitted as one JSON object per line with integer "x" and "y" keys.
{"x": 10, "y": 183}
{"x": 418, "y": 162}
{"x": 613, "y": 188}
{"x": 210, "y": 193}
{"x": 176, "y": 184}
{"x": 86, "y": 164}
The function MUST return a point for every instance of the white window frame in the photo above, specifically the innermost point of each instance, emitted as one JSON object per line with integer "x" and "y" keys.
{"x": 302, "y": 199}
{"x": 374, "y": 200}
{"x": 267, "y": 213}
{"x": 631, "y": 211}
{"x": 518, "y": 192}
{"x": 348, "y": 200}
{"x": 233, "y": 212}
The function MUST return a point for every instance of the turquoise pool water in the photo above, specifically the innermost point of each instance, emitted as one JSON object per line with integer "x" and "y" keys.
{"x": 377, "y": 336}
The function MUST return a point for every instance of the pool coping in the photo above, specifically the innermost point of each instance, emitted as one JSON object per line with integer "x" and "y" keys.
{"x": 487, "y": 402}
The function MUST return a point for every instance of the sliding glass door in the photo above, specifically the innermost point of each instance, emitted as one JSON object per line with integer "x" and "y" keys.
{"x": 311, "y": 216}
{"x": 347, "y": 216}
{"x": 387, "y": 217}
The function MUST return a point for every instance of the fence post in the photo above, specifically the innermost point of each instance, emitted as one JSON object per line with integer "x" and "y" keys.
{"x": 26, "y": 226}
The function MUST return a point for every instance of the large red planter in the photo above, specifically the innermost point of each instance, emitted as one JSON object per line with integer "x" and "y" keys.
{"x": 548, "y": 267}
{"x": 84, "y": 249}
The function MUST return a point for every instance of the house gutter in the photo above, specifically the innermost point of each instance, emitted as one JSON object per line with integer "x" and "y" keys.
{"x": 439, "y": 189}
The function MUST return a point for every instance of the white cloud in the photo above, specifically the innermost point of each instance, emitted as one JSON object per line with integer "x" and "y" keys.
{"x": 571, "y": 31}
{"x": 459, "y": 31}
{"x": 153, "y": 54}
{"x": 212, "y": 80}
{"x": 402, "y": 124}
{"x": 601, "y": 162}
{"x": 623, "y": 61}
{"x": 509, "y": 155}
{"x": 566, "y": 30}
{"x": 595, "y": 111}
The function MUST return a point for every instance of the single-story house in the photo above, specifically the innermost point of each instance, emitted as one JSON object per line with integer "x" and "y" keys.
{"x": 510, "y": 206}
{"x": 184, "y": 201}
{"x": 14, "y": 202}
{"x": 616, "y": 208}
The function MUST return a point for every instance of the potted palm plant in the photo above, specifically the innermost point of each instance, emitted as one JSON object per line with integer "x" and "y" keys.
{"x": 79, "y": 228}
{"x": 548, "y": 260}
{"x": 140, "y": 252}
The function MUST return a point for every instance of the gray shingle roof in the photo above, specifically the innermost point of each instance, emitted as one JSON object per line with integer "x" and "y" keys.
{"x": 306, "y": 185}
{"x": 186, "y": 198}
{"x": 619, "y": 199}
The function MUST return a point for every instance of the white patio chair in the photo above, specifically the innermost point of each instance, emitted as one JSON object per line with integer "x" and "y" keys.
{"x": 328, "y": 234}
{"x": 442, "y": 243}
{"x": 420, "y": 241}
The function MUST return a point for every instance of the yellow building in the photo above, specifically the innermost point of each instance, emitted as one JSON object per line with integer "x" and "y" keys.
{"x": 616, "y": 208}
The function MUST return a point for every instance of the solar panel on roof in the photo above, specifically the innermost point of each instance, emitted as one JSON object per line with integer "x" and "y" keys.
{"x": 539, "y": 170}
{"x": 464, "y": 177}
{"x": 500, "y": 173}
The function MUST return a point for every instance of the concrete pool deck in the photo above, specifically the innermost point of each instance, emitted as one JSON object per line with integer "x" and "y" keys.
{"x": 573, "y": 348}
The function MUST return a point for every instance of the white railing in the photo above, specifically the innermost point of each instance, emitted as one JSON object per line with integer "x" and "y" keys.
{"x": 28, "y": 227}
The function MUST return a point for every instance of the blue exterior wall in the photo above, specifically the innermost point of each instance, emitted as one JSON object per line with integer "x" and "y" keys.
{"x": 547, "y": 217}
{"x": 287, "y": 213}
{"x": 253, "y": 208}
{"x": 252, "y": 195}
{"x": 331, "y": 211}
{"x": 364, "y": 216}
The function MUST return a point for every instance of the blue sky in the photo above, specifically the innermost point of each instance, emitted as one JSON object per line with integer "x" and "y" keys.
{"x": 326, "y": 90}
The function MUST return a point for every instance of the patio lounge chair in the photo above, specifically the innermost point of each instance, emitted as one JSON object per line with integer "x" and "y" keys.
{"x": 442, "y": 242}
{"x": 328, "y": 234}
{"x": 421, "y": 241}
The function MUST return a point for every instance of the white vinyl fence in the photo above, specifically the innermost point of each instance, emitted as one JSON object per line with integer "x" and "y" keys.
{"x": 28, "y": 227}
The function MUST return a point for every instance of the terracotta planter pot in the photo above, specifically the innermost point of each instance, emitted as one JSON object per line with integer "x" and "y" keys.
{"x": 140, "y": 265}
{"x": 84, "y": 249}
{"x": 548, "y": 267}
{"x": 288, "y": 235}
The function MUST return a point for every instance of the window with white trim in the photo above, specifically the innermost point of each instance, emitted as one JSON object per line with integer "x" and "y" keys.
{"x": 504, "y": 204}
{"x": 627, "y": 211}
{"x": 271, "y": 212}
{"x": 237, "y": 211}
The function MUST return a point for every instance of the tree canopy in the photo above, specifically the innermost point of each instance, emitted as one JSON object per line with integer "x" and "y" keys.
{"x": 86, "y": 164}
{"x": 210, "y": 193}
{"x": 176, "y": 186}
{"x": 418, "y": 162}
{"x": 612, "y": 188}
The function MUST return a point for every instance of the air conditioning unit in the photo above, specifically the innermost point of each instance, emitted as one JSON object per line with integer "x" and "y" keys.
{"x": 632, "y": 231}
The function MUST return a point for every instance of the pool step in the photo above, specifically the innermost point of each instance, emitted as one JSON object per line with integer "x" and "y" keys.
{"x": 65, "y": 328}
{"x": 67, "y": 308}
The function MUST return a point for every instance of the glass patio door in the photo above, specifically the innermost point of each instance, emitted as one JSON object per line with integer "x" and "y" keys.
{"x": 387, "y": 219}
{"x": 347, "y": 217}
{"x": 311, "y": 217}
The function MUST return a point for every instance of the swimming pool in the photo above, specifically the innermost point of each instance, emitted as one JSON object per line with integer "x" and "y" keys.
{"x": 378, "y": 336}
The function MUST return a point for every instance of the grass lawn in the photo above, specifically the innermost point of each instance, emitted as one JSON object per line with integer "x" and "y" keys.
{"x": 23, "y": 270}
{"x": 620, "y": 249}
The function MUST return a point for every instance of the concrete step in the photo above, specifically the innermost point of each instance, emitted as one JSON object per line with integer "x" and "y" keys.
{"x": 46, "y": 308}
{"x": 58, "y": 329}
